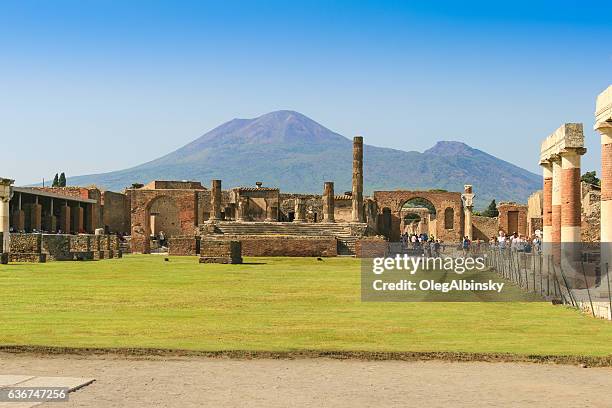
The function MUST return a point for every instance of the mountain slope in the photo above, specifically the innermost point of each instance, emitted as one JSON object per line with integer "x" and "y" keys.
{"x": 289, "y": 150}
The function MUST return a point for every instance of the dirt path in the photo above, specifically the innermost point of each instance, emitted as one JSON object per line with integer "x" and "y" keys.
{"x": 198, "y": 382}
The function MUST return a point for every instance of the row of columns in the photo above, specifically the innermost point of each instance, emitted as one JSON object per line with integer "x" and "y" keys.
{"x": 560, "y": 161}
{"x": 300, "y": 205}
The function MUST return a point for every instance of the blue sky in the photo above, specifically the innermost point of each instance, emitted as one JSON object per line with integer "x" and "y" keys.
{"x": 90, "y": 86}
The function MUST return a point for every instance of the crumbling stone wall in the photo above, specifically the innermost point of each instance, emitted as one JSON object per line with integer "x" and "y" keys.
{"x": 57, "y": 247}
{"x": 141, "y": 200}
{"x": 116, "y": 212}
{"x": 220, "y": 251}
{"x": 368, "y": 247}
{"x": 184, "y": 246}
{"x": 26, "y": 248}
{"x": 484, "y": 228}
{"x": 313, "y": 203}
{"x": 591, "y": 213}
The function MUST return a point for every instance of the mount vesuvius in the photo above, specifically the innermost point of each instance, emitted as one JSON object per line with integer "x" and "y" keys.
{"x": 291, "y": 151}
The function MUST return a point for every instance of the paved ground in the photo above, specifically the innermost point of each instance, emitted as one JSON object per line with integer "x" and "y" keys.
{"x": 197, "y": 382}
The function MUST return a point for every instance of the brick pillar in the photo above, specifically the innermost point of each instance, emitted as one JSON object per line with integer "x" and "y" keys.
{"x": 547, "y": 203}
{"x": 215, "y": 200}
{"x": 606, "y": 193}
{"x": 77, "y": 215}
{"x": 555, "y": 236}
{"x": 328, "y": 202}
{"x": 300, "y": 210}
{"x": 36, "y": 217}
{"x": 570, "y": 197}
{"x": 64, "y": 223}
{"x": 357, "y": 200}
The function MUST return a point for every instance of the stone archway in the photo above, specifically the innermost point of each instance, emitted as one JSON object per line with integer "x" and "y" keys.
{"x": 394, "y": 201}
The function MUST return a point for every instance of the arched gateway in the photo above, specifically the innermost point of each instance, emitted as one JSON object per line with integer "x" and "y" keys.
{"x": 447, "y": 219}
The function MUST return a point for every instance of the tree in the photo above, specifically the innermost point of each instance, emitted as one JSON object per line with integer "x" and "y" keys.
{"x": 491, "y": 210}
{"x": 590, "y": 177}
{"x": 62, "y": 180}
{"x": 55, "y": 181}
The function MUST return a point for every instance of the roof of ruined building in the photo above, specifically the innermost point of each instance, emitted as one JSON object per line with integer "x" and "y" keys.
{"x": 44, "y": 193}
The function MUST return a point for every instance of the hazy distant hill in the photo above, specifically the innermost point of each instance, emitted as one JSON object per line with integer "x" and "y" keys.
{"x": 291, "y": 151}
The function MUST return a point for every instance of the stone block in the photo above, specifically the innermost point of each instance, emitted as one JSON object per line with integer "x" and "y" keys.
{"x": 183, "y": 246}
{"x": 221, "y": 251}
{"x": 4, "y": 258}
{"x": 56, "y": 247}
{"x": 26, "y": 243}
{"x": 31, "y": 257}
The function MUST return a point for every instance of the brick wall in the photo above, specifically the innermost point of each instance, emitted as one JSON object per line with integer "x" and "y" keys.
{"x": 183, "y": 246}
{"x": 484, "y": 228}
{"x": 116, "y": 212}
{"x": 368, "y": 247}
{"x": 275, "y": 245}
{"x": 220, "y": 251}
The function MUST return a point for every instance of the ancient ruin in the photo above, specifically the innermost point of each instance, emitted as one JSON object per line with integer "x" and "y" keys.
{"x": 183, "y": 217}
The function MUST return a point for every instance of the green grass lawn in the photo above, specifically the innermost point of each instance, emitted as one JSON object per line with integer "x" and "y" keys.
{"x": 273, "y": 304}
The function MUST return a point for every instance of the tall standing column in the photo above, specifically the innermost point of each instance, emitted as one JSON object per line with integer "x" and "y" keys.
{"x": 215, "y": 200}
{"x": 468, "y": 208}
{"x": 547, "y": 205}
{"x": 328, "y": 202}
{"x": 6, "y": 194}
{"x": 357, "y": 196}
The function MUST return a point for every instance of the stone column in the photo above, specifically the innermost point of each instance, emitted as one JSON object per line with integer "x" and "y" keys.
{"x": 328, "y": 202}
{"x": 547, "y": 205}
{"x": 468, "y": 208}
{"x": 215, "y": 200}
{"x": 570, "y": 196}
{"x": 300, "y": 210}
{"x": 6, "y": 194}
{"x": 357, "y": 197}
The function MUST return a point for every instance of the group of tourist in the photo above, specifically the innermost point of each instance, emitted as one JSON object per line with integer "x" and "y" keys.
{"x": 517, "y": 242}
{"x": 430, "y": 246}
